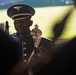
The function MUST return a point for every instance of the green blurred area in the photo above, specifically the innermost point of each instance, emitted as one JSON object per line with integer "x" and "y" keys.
{"x": 46, "y": 18}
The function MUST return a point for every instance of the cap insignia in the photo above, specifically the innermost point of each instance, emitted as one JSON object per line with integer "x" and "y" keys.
{"x": 17, "y": 8}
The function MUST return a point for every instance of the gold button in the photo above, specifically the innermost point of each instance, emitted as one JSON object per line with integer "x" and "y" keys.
{"x": 25, "y": 54}
{"x": 24, "y": 60}
{"x": 24, "y": 48}
{"x": 24, "y": 43}
{"x": 20, "y": 35}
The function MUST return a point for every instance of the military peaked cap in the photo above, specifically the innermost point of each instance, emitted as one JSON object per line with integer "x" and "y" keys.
{"x": 20, "y": 11}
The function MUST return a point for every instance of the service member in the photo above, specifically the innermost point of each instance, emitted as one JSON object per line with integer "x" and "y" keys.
{"x": 21, "y": 15}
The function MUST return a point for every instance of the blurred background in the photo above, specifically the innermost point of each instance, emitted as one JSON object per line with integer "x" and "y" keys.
{"x": 48, "y": 13}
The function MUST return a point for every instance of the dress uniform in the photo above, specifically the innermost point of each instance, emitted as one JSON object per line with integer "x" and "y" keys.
{"x": 20, "y": 11}
{"x": 27, "y": 44}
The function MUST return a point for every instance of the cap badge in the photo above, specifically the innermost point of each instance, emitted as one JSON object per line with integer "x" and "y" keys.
{"x": 17, "y": 8}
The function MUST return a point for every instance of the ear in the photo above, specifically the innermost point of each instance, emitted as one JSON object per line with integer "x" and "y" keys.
{"x": 31, "y": 22}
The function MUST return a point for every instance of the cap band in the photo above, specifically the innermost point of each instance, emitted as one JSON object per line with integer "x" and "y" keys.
{"x": 20, "y": 15}
{"x": 20, "y": 18}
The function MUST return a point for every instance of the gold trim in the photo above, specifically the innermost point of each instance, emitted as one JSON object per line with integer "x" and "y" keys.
{"x": 21, "y": 18}
{"x": 20, "y": 15}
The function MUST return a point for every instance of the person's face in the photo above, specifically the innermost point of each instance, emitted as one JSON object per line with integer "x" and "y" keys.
{"x": 22, "y": 25}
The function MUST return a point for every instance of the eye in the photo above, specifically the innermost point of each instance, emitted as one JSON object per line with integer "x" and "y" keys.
{"x": 16, "y": 21}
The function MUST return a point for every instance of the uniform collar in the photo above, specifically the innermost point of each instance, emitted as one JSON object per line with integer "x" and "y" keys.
{"x": 24, "y": 35}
